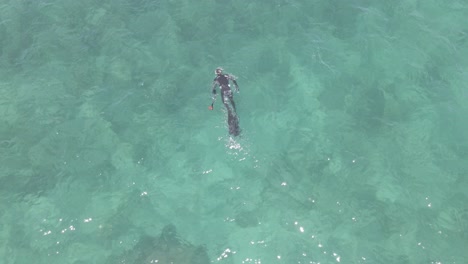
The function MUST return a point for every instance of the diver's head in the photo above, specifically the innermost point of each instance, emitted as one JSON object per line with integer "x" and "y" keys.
{"x": 219, "y": 71}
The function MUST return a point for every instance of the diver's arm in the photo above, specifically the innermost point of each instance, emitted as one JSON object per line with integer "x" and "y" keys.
{"x": 233, "y": 79}
{"x": 213, "y": 88}
{"x": 235, "y": 84}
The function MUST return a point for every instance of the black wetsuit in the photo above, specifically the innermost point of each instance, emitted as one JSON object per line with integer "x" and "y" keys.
{"x": 222, "y": 80}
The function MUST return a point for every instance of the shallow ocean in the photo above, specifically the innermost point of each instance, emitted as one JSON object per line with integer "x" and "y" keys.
{"x": 354, "y": 142}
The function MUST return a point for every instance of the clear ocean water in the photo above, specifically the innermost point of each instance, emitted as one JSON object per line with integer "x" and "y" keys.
{"x": 354, "y": 144}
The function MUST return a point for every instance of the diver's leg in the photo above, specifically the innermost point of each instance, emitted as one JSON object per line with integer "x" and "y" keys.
{"x": 224, "y": 100}
{"x": 231, "y": 99}
{"x": 227, "y": 107}
{"x": 233, "y": 124}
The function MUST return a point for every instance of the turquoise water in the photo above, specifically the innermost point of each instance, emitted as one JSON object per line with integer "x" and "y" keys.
{"x": 353, "y": 113}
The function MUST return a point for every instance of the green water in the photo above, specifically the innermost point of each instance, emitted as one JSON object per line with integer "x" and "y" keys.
{"x": 354, "y": 142}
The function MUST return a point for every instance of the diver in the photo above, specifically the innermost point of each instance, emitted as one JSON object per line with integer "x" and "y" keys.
{"x": 222, "y": 80}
